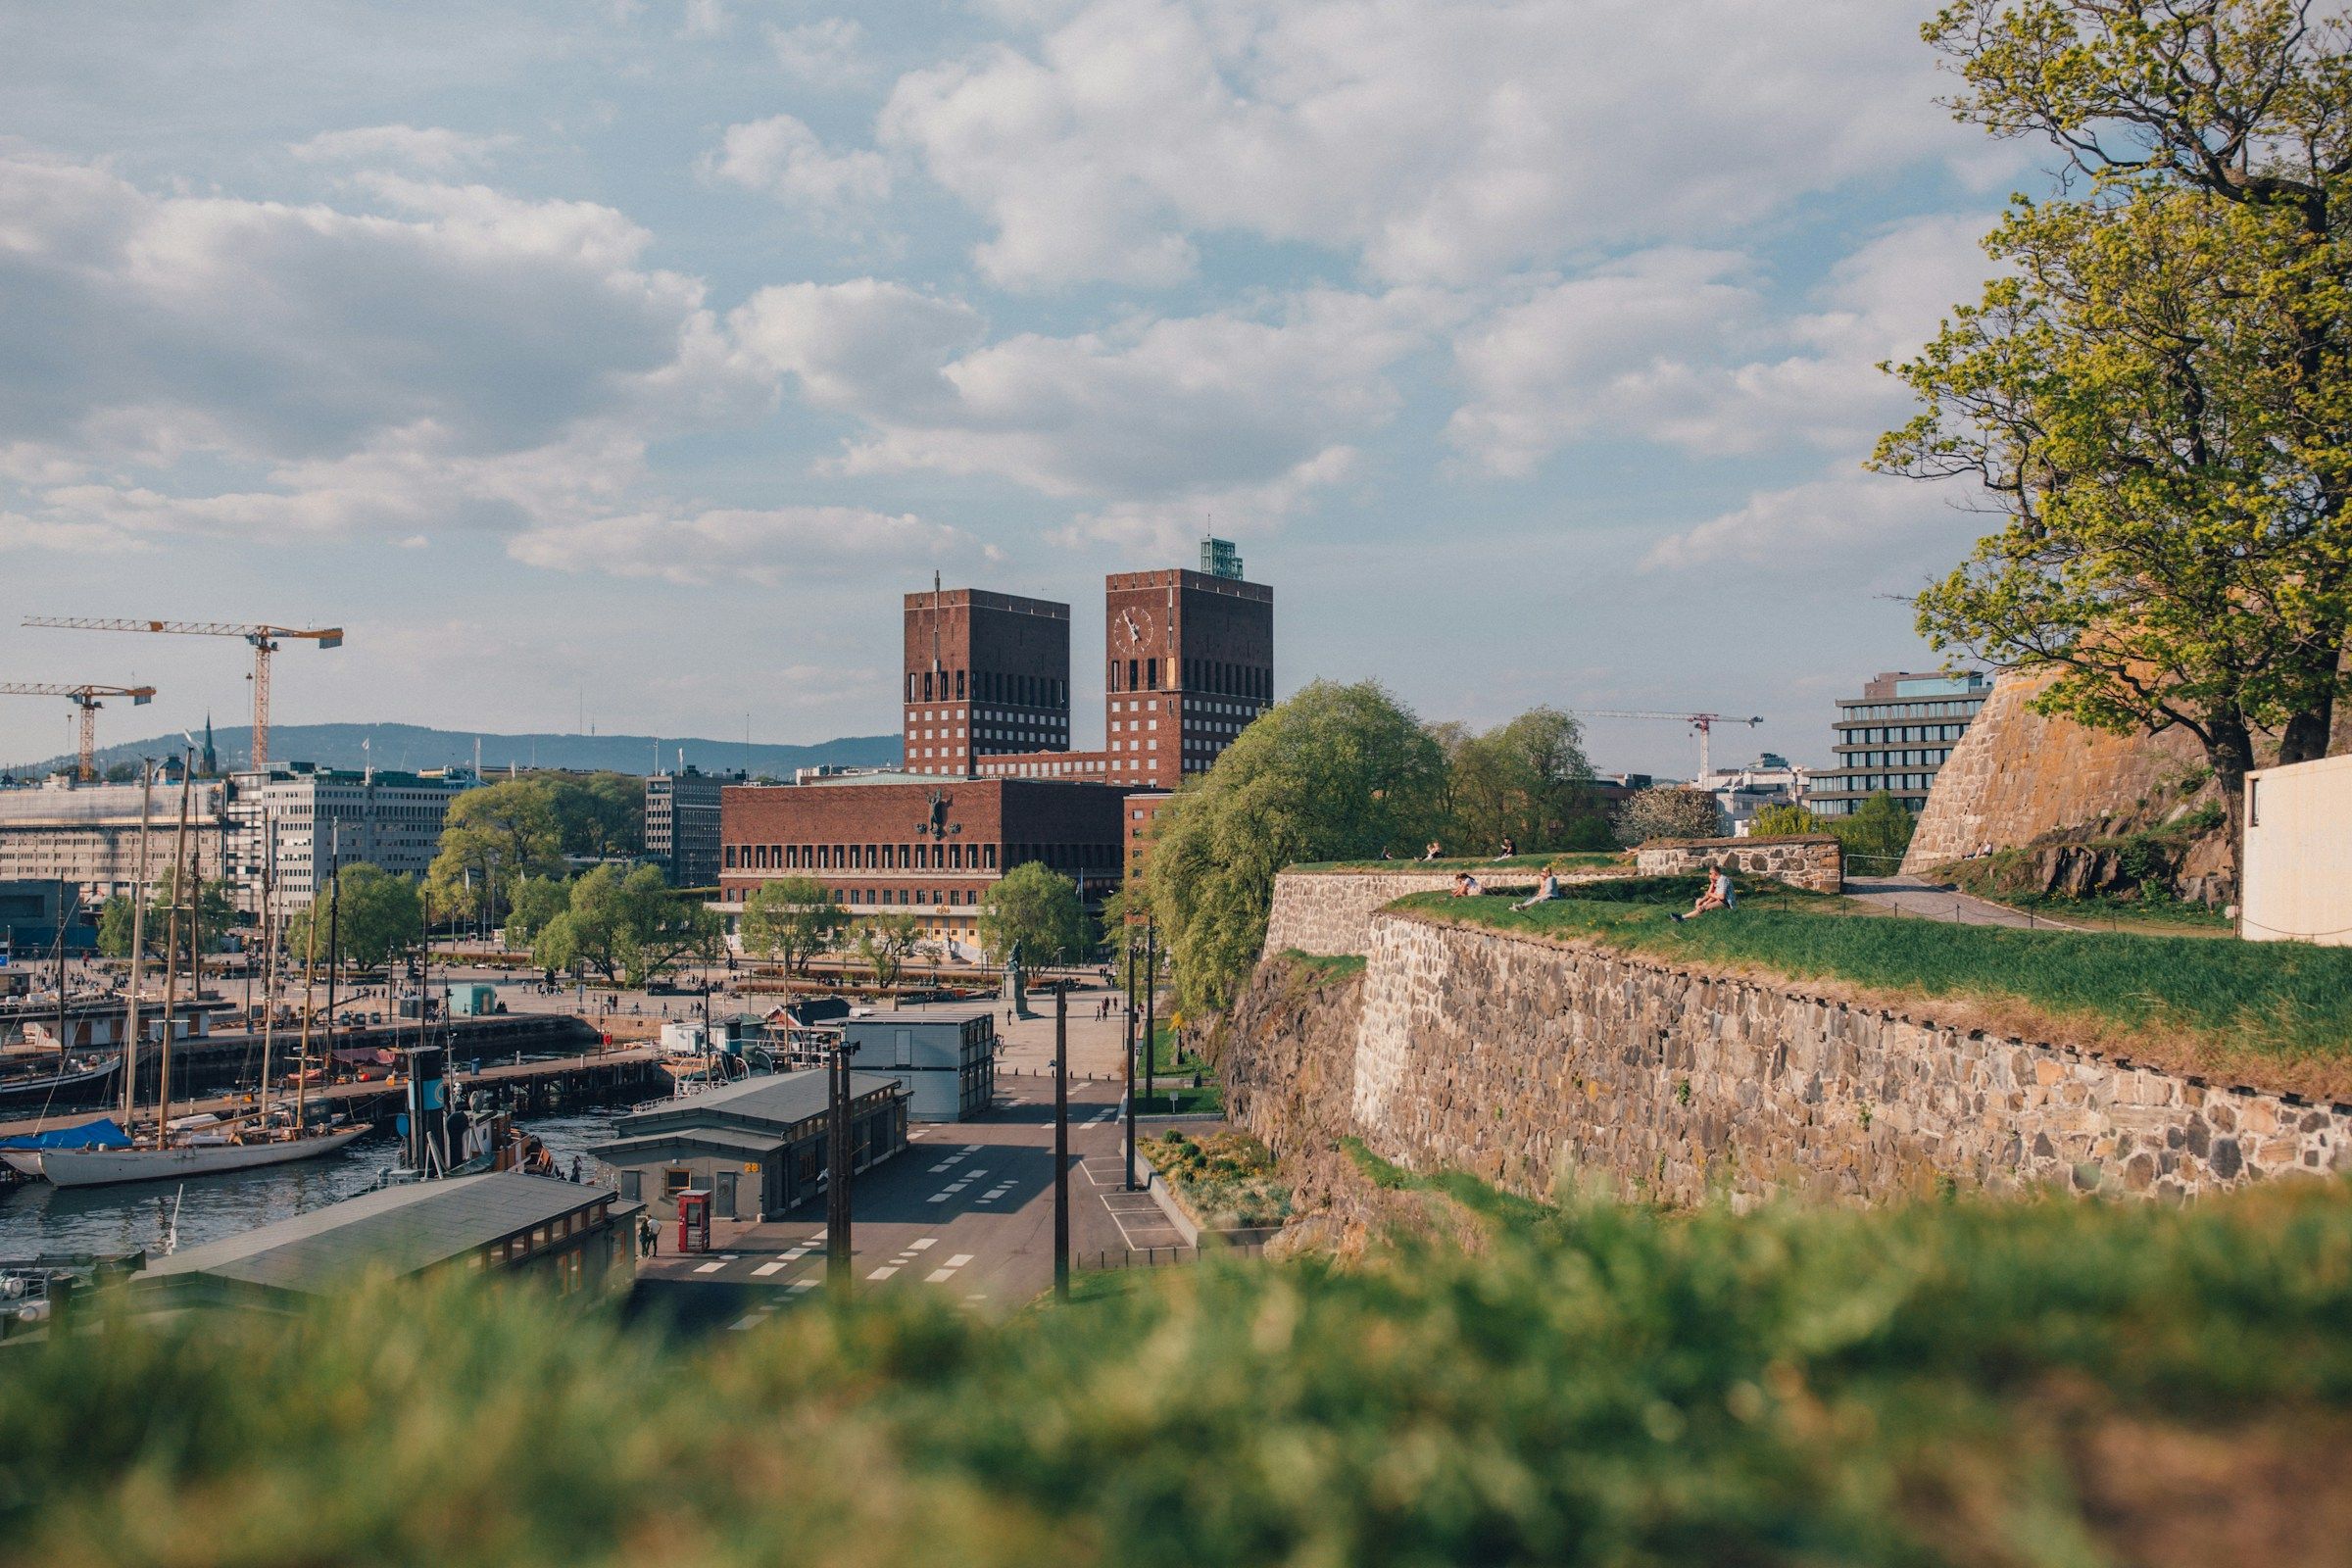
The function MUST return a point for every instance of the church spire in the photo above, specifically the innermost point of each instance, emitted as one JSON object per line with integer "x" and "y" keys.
{"x": 212, "y": 763}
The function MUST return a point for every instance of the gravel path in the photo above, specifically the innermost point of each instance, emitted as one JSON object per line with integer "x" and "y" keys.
{"x": 1928, "y": 901}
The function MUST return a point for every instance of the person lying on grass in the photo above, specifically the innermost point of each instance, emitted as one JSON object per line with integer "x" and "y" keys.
{"x": 1717, "y": 897}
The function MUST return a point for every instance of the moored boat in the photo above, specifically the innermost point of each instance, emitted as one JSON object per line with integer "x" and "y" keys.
{"x": 101, "y": 1168}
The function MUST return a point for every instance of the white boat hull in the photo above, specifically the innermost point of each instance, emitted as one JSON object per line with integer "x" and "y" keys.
{"x": 101, "y": 1168}
{"x": 24, "y": 1161}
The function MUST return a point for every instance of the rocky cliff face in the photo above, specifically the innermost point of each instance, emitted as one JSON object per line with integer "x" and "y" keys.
{"x": 2018, "y": 777}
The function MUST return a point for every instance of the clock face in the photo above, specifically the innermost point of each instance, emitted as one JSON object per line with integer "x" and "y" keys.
{"x": 1138, "y": 625}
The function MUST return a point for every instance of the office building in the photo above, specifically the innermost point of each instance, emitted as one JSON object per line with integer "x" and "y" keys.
{"x": 1895, "y": 736}
{"x": 87, "y": 835}
{"x": 681, "y": 825}
{"x": 947, "y": 1062}
{"x": 325, "y": 817}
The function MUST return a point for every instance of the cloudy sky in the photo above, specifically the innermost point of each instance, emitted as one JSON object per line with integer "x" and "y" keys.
{"x": 634, "y": 356}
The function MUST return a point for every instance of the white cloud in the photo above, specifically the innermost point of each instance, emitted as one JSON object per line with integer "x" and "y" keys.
{"x": 1846, "y": 517}
{"x": 770, "y": 547}
{"x": 819, "y": 52}
{"x": 435, "y": 149}
{"x": 1681, "y": 348}
{"x": 783, "y": 158}
{"x": 1434, "y": 139}
{"x": 1152, "y": 410}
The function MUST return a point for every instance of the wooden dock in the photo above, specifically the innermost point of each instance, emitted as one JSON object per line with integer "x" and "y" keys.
{"x": 528, "y": 1087}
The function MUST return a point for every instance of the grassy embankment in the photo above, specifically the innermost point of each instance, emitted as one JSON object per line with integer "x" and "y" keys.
{"x": 2276, "y": 1014}
{"x": 2046, "y": 1383}
{"x": 2147, "y": 857}
{"x": 1177, "y": 1095}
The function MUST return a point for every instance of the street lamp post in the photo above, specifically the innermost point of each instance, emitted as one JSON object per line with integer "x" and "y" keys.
{"x": 1062, "y": 1140}
{"x": 837, "y": 1175}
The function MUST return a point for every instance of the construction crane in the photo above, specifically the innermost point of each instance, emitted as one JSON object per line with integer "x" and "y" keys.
{"x": 84, "y": 698}
{"x": 1704, "y": 723}
{"x": 265, "y": 640}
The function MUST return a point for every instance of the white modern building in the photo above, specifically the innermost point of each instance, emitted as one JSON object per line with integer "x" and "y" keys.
{"x": 87, "y": 835}
{"x": 2296, "y": 868}
{"x": 1742, "y": 792}
{"x": 325, "y": 817}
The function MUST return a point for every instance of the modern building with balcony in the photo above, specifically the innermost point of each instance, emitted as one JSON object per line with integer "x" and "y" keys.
{"x": 1896, "y": 737}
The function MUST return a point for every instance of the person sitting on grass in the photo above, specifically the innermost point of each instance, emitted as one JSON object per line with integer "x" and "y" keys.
{"x": 1465, "y": 886}
{"x": 1547, "y": 889}
{"x": 1717, "y": 897}
{"x": 1432, "y": 852}
{"x": 1510, "y": 847}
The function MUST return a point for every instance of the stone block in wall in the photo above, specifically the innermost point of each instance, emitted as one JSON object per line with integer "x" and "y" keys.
{"x": 1814, "y": 861}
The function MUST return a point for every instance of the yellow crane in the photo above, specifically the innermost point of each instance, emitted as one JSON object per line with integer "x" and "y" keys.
{"x": 264, "y": 639}
{"x": 86, "y": 698}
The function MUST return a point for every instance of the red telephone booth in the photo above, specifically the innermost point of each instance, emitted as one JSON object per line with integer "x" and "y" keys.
{"x": 694, "y": 1221}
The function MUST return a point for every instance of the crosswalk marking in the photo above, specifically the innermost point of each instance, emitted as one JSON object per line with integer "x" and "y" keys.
{"x": 799, "y": 1285}
{"x": 937, "y": 1275}
{"x": 959, "y": 1259}
{"x": 928, "y": 1241}
{"x": 765, "y": 1269}
{"x": 711, "y": 1267}
{"x": 884, "y": 1272}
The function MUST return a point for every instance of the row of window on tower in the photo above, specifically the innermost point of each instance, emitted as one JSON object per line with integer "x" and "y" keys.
{"x": 1214, "y": 675}
{"x": 985, "y": 686}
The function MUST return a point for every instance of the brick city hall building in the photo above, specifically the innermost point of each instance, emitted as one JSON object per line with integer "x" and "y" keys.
{"x": 987, "y": 779}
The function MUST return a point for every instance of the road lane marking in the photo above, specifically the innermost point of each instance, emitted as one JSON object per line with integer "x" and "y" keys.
{"x": 940, "y": 1275}
{"x": 959, "y": 1259}
{"x": 765, "y": 1269}
{"x": 711, "y": 1267}
{"x": 928, "y": 1241}
{"x": 796, "y": 1254}
{"x": 884, "y": 1272}
{"x": 799, "y": 1285}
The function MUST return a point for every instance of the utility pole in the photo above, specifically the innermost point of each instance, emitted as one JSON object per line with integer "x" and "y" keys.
{"x": 837, "y": 1176}
{"x": 1061, "y": 1141}
{"x": 1151, "y": 1004}
{"x": 1127, "y": 1177}
{"x": 334, "y": 932}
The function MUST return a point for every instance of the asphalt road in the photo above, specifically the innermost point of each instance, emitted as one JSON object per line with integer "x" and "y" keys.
{"x": 966, "y": 1209}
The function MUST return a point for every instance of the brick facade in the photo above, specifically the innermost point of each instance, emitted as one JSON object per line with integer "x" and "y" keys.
{"x": 985, "y": 673}
{"x": 1187, "y": 663}
{"x": 870, "y": 841}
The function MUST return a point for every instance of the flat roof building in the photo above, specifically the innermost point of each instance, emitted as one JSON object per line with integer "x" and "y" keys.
{"x": 329, "y": 818}
{"x": 88, "y": 834}
{"x": 946, "y": 1062}
{"x": 985, "y": 673}
{"x": 681, "y": 824}
{"x": 577, "y": 1238}
{"x": 899, "y": 843}
{"x": 757, "y": 1147}
{"x": 1896, "y": 737}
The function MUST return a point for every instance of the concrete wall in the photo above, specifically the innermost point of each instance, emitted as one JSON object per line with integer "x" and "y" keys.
{"x": 2297, "y": 878}
{"x": 1529, "y": 1062}
{"x": 1813, "y": 861}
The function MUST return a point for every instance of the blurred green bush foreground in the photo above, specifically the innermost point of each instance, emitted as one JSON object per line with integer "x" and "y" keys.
{"x": 1965, "y": 1383}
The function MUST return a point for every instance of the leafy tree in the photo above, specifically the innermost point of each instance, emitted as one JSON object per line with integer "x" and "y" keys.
{"x": 1777, "y": 821}
{"x": 492, "y": 838}
{"x": 885, "y": 941}
{"x": 791, "y": 920}
{"x": 1664, "y": 811}
{"x": 600, "y": 817}
{"x": 379, "y": 917}
{"x": 1527, "y": 780}
{"x": 122, "y": 773}
{"x": 216, "y": 915}
{"x": 1336, "y": 773}
{"x": 2156, "y": 395}
{"x": 1036, "y": 907}
{"x": 532, "y": 903}
{"x": 1876, "y": 833}
{"x": 628, "y": 926}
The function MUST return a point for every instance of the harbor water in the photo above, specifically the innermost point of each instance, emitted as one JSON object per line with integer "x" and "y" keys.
{"x": 38, "y": 1218}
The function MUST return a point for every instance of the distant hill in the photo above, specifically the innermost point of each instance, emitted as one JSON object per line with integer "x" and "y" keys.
{"x": 414, "y": 746}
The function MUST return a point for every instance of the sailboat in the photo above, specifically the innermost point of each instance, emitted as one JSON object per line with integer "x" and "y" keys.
{"x": 203, "y": 1144}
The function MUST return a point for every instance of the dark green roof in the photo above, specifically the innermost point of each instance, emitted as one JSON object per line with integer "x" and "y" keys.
{"x": 400, "y": 1230}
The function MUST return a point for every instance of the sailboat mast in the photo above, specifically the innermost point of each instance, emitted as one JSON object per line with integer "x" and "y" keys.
{"x": 60, "y": 970}
{"x": 180, "y": 883}
{"x": 138, "y": 944}
{"x": 269, "y": 958}
{"x": 302, "y": 1068}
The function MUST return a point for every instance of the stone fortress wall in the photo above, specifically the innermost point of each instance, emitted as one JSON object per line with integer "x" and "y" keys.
{"x": 1813, "y": 861}
{"x": 1529, "y": 1062}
